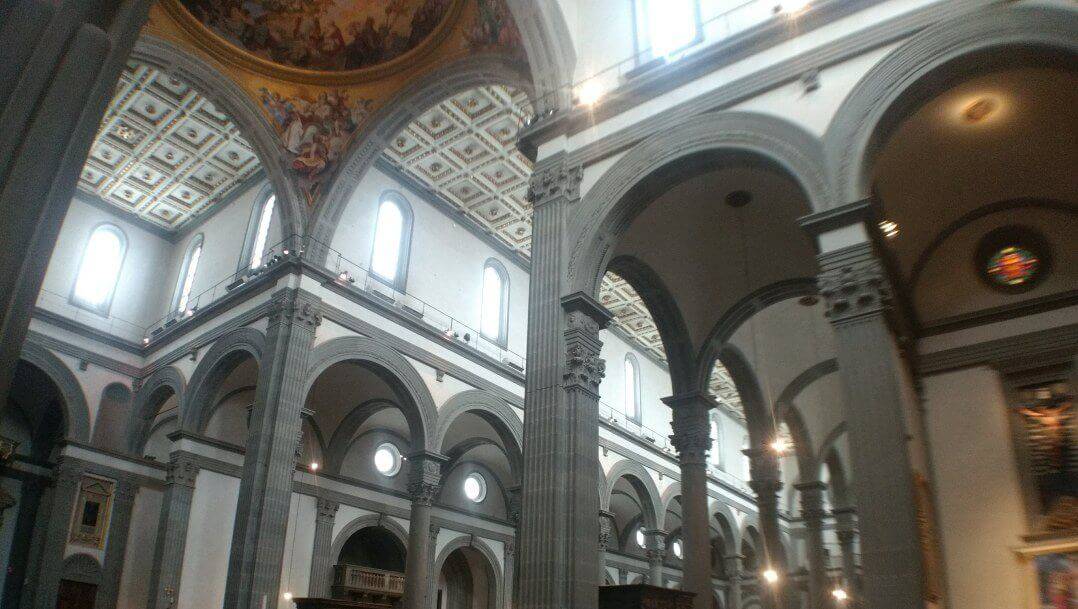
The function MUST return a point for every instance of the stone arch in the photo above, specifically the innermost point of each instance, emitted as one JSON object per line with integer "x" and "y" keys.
{"x": 418, "y": 408}
{"x": 549, "y": 47}
{"x": 643, "y": 483}
{"x": 725, "y": 522}
{"x": 672, "y": 492}
{"x": 494, "y": 411}
{"x": 76, "y": 412}
{"x": 761, "y": 426}
{"x": 478, "y": 544}
{"x": 666, "y": 314}
{"x": 82, "y": 568}
{"x": 230, "y": 99}
{"x": 408, "y": 104}
{"x": 147, "y": 401}
{"x": 344, "y": 435}
{"x": 942, "y": 52}
{"x": 215, "y": 366}
{"x": 839, "y": 484}
{"x": 608, "y": 208}
{"x": 365, "y": 522}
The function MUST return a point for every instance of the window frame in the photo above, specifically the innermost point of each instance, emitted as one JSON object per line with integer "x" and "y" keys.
{"x": 105, "y": 307}
{"x": 637, "y": 415}
{"x": 198, "y": 242}
{"x": 502, "y": 339}
{"x": 266, "y": 195}
{"x": 399, "y": 282}
{"x": 643, "y": 47}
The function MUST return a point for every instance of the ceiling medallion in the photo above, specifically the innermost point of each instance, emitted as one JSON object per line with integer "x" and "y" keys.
{"x": 1013, "y": 259}
{"x": 739, "y": 198}
{"x": 317, "y": 41}
{"x": 979, "y": 109}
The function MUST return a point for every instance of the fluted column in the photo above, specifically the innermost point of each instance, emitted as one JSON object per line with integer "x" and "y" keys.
{"x": 766, "y": 483}
{"x": 733, "y": 573}
{"x": 692, "y": 439}
{"x": 258, "y": 538}
{"x": 855, "y": 287}
{"x": 172, "y": 532}
{"x": 812, "y": 512}
{"x": 424, "y": 480}
{"x": 123, "y": 501}
{"x": 558, "y": 558}
{"x": 65, "y": 490}
{"x": 322, "y": 556}
{"x": 510, "y": 574}
{"x": 656, "y": 552}
{"x": 60, "y": 63}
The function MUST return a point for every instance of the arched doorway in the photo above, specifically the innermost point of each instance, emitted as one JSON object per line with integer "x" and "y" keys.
{"x": 370, "y": 566}
{"x": 466, "y": 581}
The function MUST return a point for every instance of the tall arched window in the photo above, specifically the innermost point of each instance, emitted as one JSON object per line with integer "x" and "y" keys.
{"x": 665, "y": 26}
{"x": 632, "y": 388}
{"x": 186, "y": 280}
{"x": 392, "y": 233}
{"x": 261, "y": 218}
{"x": 716, "y": 441}
{"x": 99, "y": 269}
{"x": 494, "y": 315}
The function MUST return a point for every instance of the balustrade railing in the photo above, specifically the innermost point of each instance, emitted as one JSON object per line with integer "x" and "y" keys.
{"x": 367, "y": 580}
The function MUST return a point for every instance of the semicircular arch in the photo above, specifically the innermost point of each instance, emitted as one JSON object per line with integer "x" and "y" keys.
{"x": 227, "y": 352}
{"x": 76, "y": 412}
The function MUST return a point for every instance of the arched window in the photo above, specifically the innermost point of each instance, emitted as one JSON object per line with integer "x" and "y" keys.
{"x": 494, "y": 315}
{"x": 258, "y": 232}
{"x": 392, "y": 233}
{"x": 746, "y": 463}
{"x": 99, "y": 269}
{"x": 632, "y": 388}
{"x": 665, "y": 26}
{"x": 716, "y": 441}
{"x": 186, "y": 279}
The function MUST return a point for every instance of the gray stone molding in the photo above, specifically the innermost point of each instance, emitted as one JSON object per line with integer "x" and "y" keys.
{"x": 123, "y": 501}
{"x": 549, "y": 46}
{"x": 1032, "y": 346}
{"x": 231, "y": 100}
{"x": 896, "y": 83}
{"x": 854, "y": 284}
{"x": 76, "y": 412}
{"x": 322, "y": 556}
{"x": 609, "y": 206}
{"x": 147, "y": 402}
{"x": 172, "y": 532}
{"x": 212, "y": 370}
{"x": 380, "y": 520}
{"x": 554, "y": 181}
{"x": 68, "y": 475}
{"x": 643, "y": 484}
{"x": 495, "y": 411}
{"x": 417, "y": 404}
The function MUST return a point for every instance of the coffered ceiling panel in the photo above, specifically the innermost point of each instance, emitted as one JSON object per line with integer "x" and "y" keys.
{"x": 163, "y": 152}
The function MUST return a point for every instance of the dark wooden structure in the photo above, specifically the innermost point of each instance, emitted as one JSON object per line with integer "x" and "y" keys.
{"x": 642, "y": 596}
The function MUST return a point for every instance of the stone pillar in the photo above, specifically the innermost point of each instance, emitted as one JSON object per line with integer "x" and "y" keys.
{"x": 322, "y": 557}
{"x": 812, "y": 512}
{"x": 733, "y": 572}
{"x": 172, "y": 532}
{"x": 269, "y": 465}
{"x": 123, "y": 501}
{"x": 59, "y": 63}
{"x": 766, "y": 483}
{"x": 847, "y": 536}
{"x": 68, "y": 477}
{"x": 854, "y": 284}
{"x": 692, "y": 439}
{"x": 606, "y": 528}
{"x": 558, "y": 558}
{"x": 424, "y": 480}
{"x": 509, "y": 574}
{"x": 656, "y": 552}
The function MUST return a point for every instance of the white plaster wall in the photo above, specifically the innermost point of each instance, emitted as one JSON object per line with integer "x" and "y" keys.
{"x": 141, "y": 545}
{"x": 654, "y": 384}
{"x": 209, "y": 538}
{"x": 978, "y": 494}
{"x": 299, "y": 549}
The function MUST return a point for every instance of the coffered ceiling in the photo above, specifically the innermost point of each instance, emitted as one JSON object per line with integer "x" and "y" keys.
{"x": 163, "y": 152}
{"x": 464, "y": 150}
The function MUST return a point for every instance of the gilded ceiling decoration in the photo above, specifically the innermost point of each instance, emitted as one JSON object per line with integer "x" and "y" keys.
{"x": 327, "y": 35}
{"x": 163, "y": 152}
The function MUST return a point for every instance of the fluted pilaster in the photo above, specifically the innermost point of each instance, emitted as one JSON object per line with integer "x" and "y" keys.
{"x": 172, "y": 532}
{"x": 65, "y": 489}
{"x": 123, "y": 502}
{"x": 322, "y": 556}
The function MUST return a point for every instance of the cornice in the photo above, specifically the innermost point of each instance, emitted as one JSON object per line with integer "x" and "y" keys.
{"x": 1033, "y": 345}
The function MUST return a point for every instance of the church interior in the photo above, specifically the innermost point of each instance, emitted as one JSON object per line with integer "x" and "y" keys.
{"x": 539, "y": 304}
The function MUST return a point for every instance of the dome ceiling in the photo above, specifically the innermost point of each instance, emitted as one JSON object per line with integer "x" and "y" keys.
{"x": 324, "y": 35}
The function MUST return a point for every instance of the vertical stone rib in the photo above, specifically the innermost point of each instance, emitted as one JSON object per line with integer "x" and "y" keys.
{"x": 123, "y": 502}
{"x": 813, "y": 513}
{"x": 321, "y": 556}
{"x": 172, "y": 532}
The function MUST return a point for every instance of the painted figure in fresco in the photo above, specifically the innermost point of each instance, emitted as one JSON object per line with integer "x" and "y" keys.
{"x": 493, "y": 27}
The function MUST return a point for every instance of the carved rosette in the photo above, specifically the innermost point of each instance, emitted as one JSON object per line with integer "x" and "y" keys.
{"x": 855, "y": 287}
{"x": 327, "y": 509}
{"x": 295, "y": 308}
{"x": 182, "y": 472}
{"x": 554, "y": 182}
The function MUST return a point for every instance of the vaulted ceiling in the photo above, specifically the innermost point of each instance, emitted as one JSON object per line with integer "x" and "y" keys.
{"x": 163, "y": 152}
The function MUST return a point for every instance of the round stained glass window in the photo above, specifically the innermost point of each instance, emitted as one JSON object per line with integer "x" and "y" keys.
{"x": 1013, "y": 266}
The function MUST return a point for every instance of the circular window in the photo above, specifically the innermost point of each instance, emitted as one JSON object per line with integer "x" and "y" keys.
{"x": 475, "y": 487}
{"x": 387, "y": 460}
{"x": 677, "y": 549}
{"x": 641, "y": 540}
{"x": 1012, "y": 259}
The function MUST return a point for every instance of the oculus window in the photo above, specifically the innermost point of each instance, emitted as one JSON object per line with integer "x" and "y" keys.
{"x": 664, "y": 27}
{"x": 387, "y": 460}
{"x": 392, "y": 231}
{"x": 188, "y": 271}
{"x": 99, "y": 269}
{"x": 475, "y": 487}
{"x": 260, "y": 233}
{"x": 631, "y": 395}
{"x": 641, "y": 539}
{"x": 679, "y": 552}
{"x": 494, "y": 314}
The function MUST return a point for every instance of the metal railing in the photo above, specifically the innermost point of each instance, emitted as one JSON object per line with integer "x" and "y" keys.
{"x": 61, "y": 305}
{"x": 366, "y": 579}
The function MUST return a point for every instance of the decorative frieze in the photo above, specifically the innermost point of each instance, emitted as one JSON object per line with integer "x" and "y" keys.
{"x": 554, "y": 182}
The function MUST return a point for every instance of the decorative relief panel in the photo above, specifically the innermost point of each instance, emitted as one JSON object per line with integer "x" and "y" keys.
{"x": 90, "y": 522}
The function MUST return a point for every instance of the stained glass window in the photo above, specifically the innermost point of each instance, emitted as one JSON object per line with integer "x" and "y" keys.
{"x": 1012, "y": 266}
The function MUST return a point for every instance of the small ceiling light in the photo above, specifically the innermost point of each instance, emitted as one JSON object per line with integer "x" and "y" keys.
{"x": 287, "y": 596}
{"x": 780, "y": 446}
{"x": 771, "y": 576}
{"x": 979, "y": 109}
{"x": 589, "y": 93}
{"x": 791, "y": 7}
{"x": 145, "y": 340}
{"x": 840, "y": 595}
{"x": 314, "y": 466}
{"x": 889, "y": 229}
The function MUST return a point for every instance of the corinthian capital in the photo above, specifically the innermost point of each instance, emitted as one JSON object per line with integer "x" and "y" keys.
{"x": 584, "y": 318}
{"x": 555, "y": 181}
{"x": 424, "y": 476}
{"x": 853, "y": 284}
{"x": 295, "y": 307}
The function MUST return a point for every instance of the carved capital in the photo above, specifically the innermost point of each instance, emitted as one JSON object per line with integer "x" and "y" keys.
{"x": 424, "y": 477}
{"x": 584, "y": 318}
{"x": 691, "y": 426}
{"x": 854, "y": 284}
{"x": 327, "y": 509}
{"x": 515, "y": 507}
{"x": 296, "y": 308}
{"x": 182, "y": 471}
{"x": 555, "y": 182}
{"x": 812, "y": 497}
{"x": 583, "y": 368}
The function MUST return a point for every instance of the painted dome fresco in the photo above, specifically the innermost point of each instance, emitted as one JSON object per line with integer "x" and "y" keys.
{"x": 326, "y": 35}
